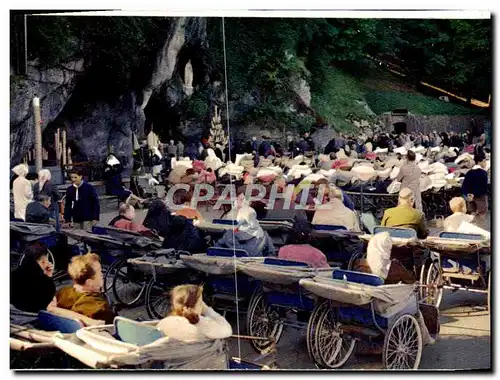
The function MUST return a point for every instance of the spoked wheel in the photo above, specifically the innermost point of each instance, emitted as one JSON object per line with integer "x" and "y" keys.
{"x": 403, "y": 344}
{"x": 333, "y": 347}
{"x": 433, "y": 292}
{"x": 489, "y": 293}
{"x": 263, "y": 321}
{"x": 423, "y": 279}
{"x": 128, "y": 284}
{"x": 312, "y": 326}
{"x": 109, "y": 275}
{"x": 352, "y": 260}
{"x": 157, "y": 299}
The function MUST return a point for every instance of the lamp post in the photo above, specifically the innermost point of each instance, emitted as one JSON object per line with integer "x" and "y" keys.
{"x": 38, "y": 134}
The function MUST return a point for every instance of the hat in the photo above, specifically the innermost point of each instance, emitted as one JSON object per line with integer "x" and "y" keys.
{"x": 371, "y": 155}
{"x": 381, "y": 150}
{"x": 436, "y": 149}
{"x": 464, "y": 156}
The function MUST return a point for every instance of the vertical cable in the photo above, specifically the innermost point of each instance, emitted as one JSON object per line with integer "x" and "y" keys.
{"x": 231, "y": 184}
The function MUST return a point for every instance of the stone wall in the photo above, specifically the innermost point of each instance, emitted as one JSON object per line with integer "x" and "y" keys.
{"x": 441, "y": 123}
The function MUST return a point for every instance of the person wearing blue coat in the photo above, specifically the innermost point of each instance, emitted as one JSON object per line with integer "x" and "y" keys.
{"x": 82, "y": 207}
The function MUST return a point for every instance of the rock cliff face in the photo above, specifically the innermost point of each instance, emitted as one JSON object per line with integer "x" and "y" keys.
{"x": 54, "y": 86}
{"x": 93, "y": 128}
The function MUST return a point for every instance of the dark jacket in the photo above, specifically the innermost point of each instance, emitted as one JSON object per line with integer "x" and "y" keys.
{"x": 184, "y": 236}
{"x": 255, "y": 247}
{"x": 37, "y": 213}
{"x": 86, "y": 208}
{"x": 50, "y": 190}
{"x": 30, "y": 289}
{"x": 475, "y": 182}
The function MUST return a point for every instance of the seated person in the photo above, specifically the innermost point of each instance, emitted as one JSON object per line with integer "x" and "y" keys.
{"x": 378, "y": 261}
{"x": 284, "y": 208}
{"x": 183, "y": 198}
{"x": 405, "y": 215}
{"x": 85, "y": 295}
{"x": 31, "y": 286}
{"x": 334, "y": 212}
{"x": 115, "y": 186}
{"x": 191, "y": 320}
{"x": 248, "y": 236}
{"x": 459, "y": 209}
{"x": 298, "y": 248}
{"x": 39, "y": 211}
{"x": 125, "y": 220}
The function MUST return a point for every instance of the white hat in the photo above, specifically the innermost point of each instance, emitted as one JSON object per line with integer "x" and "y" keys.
{"x": 436, "y": 149}
{"x": 381, "y": 150}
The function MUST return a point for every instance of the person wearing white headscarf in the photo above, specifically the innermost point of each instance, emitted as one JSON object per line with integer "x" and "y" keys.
{"x": 378, "y": 261}
{"x": 248, "y": 236}
{"x": 46, "y": 187}
{"x": 22, "y": 191}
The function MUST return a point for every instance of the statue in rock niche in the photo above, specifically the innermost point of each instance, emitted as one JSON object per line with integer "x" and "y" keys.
{"x": 188, "y": 78}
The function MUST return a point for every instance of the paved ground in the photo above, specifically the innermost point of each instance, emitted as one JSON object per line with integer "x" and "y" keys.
{"x": 464, "y": 342}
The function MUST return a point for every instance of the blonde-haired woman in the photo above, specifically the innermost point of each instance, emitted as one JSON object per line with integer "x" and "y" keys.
{"x": 459, "y": 209}
{"x": 22, "y": 191}
{"x": 191, "y": 320}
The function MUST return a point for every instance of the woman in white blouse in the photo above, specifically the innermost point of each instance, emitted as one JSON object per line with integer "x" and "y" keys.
{"x": 191, "y": 320}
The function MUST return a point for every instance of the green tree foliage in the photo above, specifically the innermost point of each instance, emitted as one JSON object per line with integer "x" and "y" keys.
{"x": 267, "y": 56}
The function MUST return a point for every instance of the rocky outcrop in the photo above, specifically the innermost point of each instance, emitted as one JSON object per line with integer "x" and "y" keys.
{"x": 94, "y": 128}
{"x": 53, "y": 86}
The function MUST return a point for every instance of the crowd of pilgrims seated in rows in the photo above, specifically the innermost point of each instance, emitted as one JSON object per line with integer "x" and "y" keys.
{"x": 32, "y": 288}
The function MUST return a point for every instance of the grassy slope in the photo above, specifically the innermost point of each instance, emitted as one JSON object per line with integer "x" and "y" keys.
{"x": 381, "y": 90}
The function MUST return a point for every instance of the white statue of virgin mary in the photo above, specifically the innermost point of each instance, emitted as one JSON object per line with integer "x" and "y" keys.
{"x": 188, "y": 78}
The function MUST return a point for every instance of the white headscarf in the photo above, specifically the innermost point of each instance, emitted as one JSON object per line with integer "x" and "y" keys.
{"x": 21, "y": 170}
{"x": 44, "y": 175}
{"x": 247, "y": 222}
{"x": 379, "y": 254}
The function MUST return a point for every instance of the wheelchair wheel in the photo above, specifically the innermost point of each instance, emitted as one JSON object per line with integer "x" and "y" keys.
{"x": 489, "y": 293}
{"x": 128, "y": 284}
{"x": 334, "y": 348}
{"x": 433, "y": 293}
{"x": 263, "y": 321}
{"x": 352, "y": 260}
{"x": 157, "y": 299}
{"x": 312, "y": 326}
{"x": 403, "y": 344}
{"x": 109, "y": 275}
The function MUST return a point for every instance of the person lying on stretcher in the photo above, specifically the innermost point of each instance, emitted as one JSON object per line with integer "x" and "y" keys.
{"x": 85, "y": 296}
{"x": 378, "y": 262}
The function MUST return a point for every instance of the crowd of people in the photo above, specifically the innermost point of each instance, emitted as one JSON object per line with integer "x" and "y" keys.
{"x": 190, "y": 319}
